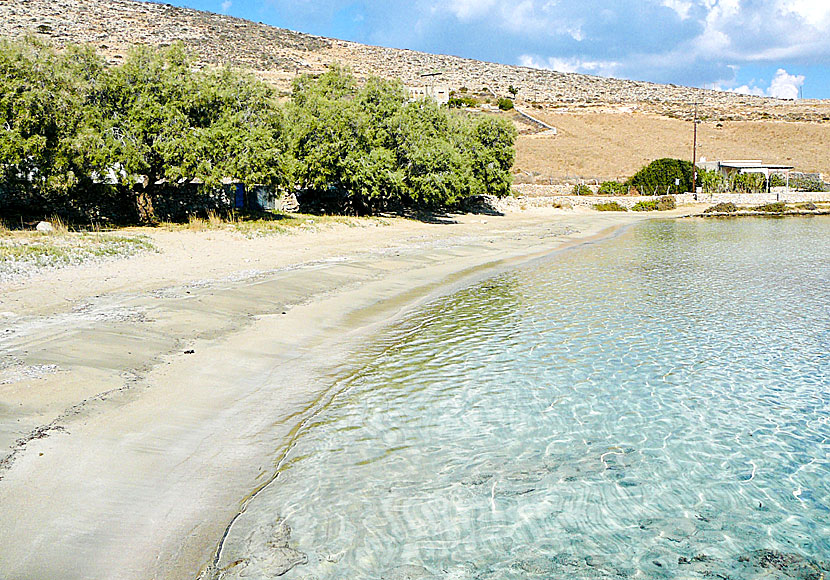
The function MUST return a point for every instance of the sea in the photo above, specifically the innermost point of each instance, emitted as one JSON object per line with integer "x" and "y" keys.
{"x": 652, "y": 405}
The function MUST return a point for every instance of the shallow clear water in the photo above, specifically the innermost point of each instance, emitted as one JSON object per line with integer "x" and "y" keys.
{"x": 654, "y": 405}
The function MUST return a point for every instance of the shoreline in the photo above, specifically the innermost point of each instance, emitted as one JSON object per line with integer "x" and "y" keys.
{"x": 154, "y": 409}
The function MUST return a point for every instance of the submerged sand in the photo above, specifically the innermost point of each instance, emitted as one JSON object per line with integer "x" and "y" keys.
{"x": 142, "y": 401}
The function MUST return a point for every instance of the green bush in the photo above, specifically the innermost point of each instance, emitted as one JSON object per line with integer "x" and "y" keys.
{"x": 798, "y": 183}
{"x": 505, "y": 104}
{"x": 749, "y": 183}
{"x": 612, "y": 188}
{"x": 581, "y": 189}
{"x": 808, "y": 184}
{"x": 777, "y": 180}
{"x": 776, "y": 207}
{"x": 645, "y": 206}
{"x": 660, "y": 175}
{"x": 712, "y": 181}
{"x": 666, "y": 202}
{"x": 728, "y": 207}
{"x": 609, "y": 206}
{"x": 460, "y": 102}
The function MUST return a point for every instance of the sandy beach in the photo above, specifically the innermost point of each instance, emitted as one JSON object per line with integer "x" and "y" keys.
{"x": 143, "y": 400}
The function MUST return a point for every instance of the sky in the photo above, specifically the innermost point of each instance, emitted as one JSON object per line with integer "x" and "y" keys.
{"x": 778, "y": 48}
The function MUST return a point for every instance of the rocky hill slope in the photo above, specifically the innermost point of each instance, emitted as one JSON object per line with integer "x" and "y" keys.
{"x": 278, "y": 55}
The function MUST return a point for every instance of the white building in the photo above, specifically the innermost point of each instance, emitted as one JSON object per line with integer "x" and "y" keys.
{"x": 438, "y": 93}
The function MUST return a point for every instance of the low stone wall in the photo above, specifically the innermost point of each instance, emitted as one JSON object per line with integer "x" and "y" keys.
{"x": 533, "y": 190}
{"x": 530, "y": 195}
{"x": 524, "y": 202}
{"x": 755, "y": 198}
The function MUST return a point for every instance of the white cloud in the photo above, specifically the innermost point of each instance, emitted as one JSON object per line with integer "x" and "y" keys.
{"x": 468, "y": 9}
{"x": 226, "y": 5}
{"x": 680, "y": 41}
{"x": 682, "y": 7}
{"x": 814, "y": 11}
{"x": 571, "y": 65}
{"x": 783, "y": 86}
{"x": 748, "y": 90}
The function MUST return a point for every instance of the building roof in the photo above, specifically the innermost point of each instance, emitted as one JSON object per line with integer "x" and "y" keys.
{"x": 752, "y": 164}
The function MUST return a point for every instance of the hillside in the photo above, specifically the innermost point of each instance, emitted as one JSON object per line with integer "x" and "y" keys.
{"x": 278, "y": 55}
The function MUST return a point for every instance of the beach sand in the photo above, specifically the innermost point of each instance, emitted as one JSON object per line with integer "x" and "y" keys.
{"x": 143, "y": 400}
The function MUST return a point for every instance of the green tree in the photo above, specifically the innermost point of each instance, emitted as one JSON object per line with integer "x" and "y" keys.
{"x": 368, "y": 148}
{"x": 660, "y": 175}
{"x": 159, "y": 122}
{"x": 42, "y": 111}
{"x": 489, "y": 144}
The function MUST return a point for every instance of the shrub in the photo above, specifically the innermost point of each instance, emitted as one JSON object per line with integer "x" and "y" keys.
{"x": 666, "y": 203}
{"x": 728, "y": 207}
{"x": 776, "y": 207}
{"x": 749, "y": 183}
{"x": 505, "y": 104}
{"x": 777, "y": 180}
{"x": 645, "y": 206}
{"x": 807, "y": 184}
{"x": 612, "y": 188}
{"x": 609, "y": 206}
{"x": 798, "y": 183}
{"x": 460, "y": 102}
{"x": 712, "y": 181}
{"x": 581, "y": 189}
{"x": 660, "y": 175}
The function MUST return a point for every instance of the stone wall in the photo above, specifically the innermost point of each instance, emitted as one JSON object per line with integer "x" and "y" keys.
{"x": 755, "y": 198}
{"x": 529, "y": 196}
{"x": 522, "y": 202}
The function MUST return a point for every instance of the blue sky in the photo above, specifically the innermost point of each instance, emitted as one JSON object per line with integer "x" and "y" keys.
{"x": 768, "y": 47}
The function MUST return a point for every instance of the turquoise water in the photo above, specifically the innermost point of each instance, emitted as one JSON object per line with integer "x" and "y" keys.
{"x": 655, "y": 405}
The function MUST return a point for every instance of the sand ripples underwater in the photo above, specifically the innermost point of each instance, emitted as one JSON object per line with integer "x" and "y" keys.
{"x": 652, "y": 406}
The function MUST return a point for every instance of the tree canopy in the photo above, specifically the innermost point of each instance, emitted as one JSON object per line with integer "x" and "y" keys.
{"x": 77, "y": 135}
{"x": 659, "y": 176}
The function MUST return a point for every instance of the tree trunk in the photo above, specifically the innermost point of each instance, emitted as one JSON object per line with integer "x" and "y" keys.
{"x": 144, "y": 202}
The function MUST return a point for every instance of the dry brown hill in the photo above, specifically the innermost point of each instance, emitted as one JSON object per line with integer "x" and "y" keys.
{"x": 612, "y": 147}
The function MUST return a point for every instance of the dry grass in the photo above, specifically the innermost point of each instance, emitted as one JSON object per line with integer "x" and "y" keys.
{"x": 615, "y": 145}
{"x": 269, "y": 223}
{"x": 25, "y": 252}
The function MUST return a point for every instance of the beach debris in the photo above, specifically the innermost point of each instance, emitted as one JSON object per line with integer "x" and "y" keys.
{"x": 790, "y": 565}
{"x": 190, "y": 351}
{"x": 20, "y": 372}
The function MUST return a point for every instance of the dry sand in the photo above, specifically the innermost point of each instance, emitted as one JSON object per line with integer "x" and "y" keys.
{"x": 143, "y": 400}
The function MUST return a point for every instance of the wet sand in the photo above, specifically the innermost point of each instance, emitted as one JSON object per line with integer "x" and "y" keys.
{"x": 143, "y": 401}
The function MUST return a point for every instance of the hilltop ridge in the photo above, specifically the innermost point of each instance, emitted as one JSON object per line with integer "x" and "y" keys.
{"x": 278, "y": 55}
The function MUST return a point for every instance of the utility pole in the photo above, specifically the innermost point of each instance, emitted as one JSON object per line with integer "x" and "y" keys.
{"x": 694, "y": 154}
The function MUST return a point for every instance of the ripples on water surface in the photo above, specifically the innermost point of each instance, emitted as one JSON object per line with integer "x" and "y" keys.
{"x": 656, "y": 405}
